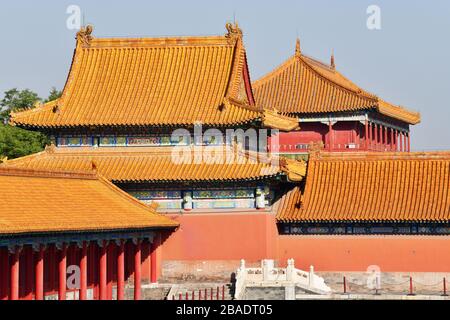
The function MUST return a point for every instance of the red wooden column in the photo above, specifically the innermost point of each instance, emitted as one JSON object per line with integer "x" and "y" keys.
{"x": 29, "y": 266}
{"x": 62, "y": 271}
{"x": 375, "y": 136}
{"x": 366, "y": 134}
{"x": 93, "y": 268}
{"x": 137, "y": 270}
{"x": 103, "y": 270}
{"x": 83, "y": 271}
{"x": 370, "y": 136}
{"x": 401, "y": 141}
{"x": 109, "y": 269}
{"x": 408, "y": 142}
{"x": 396, "y": 140}
{"x": 381, "y": 137}
{"x": 330, "y": 136}
{"x": 385, "y": 138}
{"x": 4, "y": 260}
{"x": 121, "y": 270}
{"x": 154, "y": 258}
{"x": 51, "y": 250}
{"x": 39, "y": 273}
{"x": 14, "y": 274}
{"x": 392, "y": 140}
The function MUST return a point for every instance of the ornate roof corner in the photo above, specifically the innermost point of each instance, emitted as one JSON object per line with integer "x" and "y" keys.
{"x": 233, "y": 30}
{"x": 332, "y": 62}
{"x": 84, "y": 36}
{"x": 153, "y": 205}
{"x": 298, "y": 51}
{"x": 274, "y": 120}
{"x": 55, "y": 108}
{"x": 94, "y": 166}
{"x": 50, "y": 148}
{"x": 315, "y": 148}
{"x": 294, "y": 169}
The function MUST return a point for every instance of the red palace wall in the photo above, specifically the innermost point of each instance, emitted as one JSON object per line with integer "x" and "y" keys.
{"x": 227, "y": 236}
{"x": 287, "y": 141}
{"x": 356, "y": 253}
{"x": 344, "y": 133}
{"x": 253, "y": 236}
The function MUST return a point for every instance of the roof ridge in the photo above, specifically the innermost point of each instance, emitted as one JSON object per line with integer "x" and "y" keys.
{"x": 6, "y": 170}
{"x": 268, "y": 76}
{"x": 300, "y": 58}
{"x": 376, "y": 156}
{"x": 361, "y": 92}
{"x": 170, "y": 70}
{"x": 7, "y": 161}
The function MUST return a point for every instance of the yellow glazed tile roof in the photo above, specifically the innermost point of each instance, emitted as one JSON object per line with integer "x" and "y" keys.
{"x": 151, "y": 82}
{"x": 372, "y": 187}
{"x": 140, "y": 164}
{"x": 304, "y": 85}
{"x": 34, "y": 201}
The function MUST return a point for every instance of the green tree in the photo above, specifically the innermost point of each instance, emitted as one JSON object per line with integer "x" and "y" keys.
{"x": 16, "y": 142}
{"x": 15, "y": 99}
{"x": 54, "y": 94}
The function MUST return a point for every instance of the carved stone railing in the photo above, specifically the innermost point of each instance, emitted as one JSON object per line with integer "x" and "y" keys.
{"x": 269, "y": 275}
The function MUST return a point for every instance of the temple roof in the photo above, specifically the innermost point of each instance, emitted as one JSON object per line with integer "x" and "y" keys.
{"x": 157, "y": 164}
{"x": 151, "y": 82}
{"x": 33, "y": 201}
{"x": 303, "y": 85}
{"x": 380, "y": 187}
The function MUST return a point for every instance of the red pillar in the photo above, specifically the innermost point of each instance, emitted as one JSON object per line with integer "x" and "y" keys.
{"x": 62, "y": 272}
{"x": 154, "y": 258}
{"x": 93, "y": 268}
{"x": 83, "y": 271}
{"x": 375, "y": 138}
{"x": 396, "y": 140}
{"x": 392, "y": 140}
{"x": 137, "y": 270}
{"x": 408, "y": 142}
{"x": 381, "y": 137}
{"x": 401, "y": 141}
{"x": 29, "y": 266}
{"x": 121, "y": 270}
{"x": 109, "y": 269}
{"x": 14, "y": 274}
{"x": 366, "y": 134}
{"x": 4, "y": 274}
{"x": 103, "y": 271}
{"x": 39, "y": 273}
{"x": 370, "y": 136}
{"x": 385, "y": 138}
{"x": 51, "y": 250}
{"x": 330, "y": 136}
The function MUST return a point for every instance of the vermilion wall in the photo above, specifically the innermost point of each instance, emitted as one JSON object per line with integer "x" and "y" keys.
{"x": 309, "y": 132}
{"x": 253, "y": 236}
{"x": 345, "y": 133}
{"x": 356, "y": 253}
{"x": 227, "y": 236}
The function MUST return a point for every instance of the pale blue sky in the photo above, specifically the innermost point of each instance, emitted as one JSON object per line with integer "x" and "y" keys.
{"x": 407, "y": 62}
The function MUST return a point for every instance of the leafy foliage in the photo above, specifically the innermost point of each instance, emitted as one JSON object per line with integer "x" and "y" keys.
{"x": 54, "y": 94}
{"x": 16, "y": 142}
{"x": 15, "y": 100}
